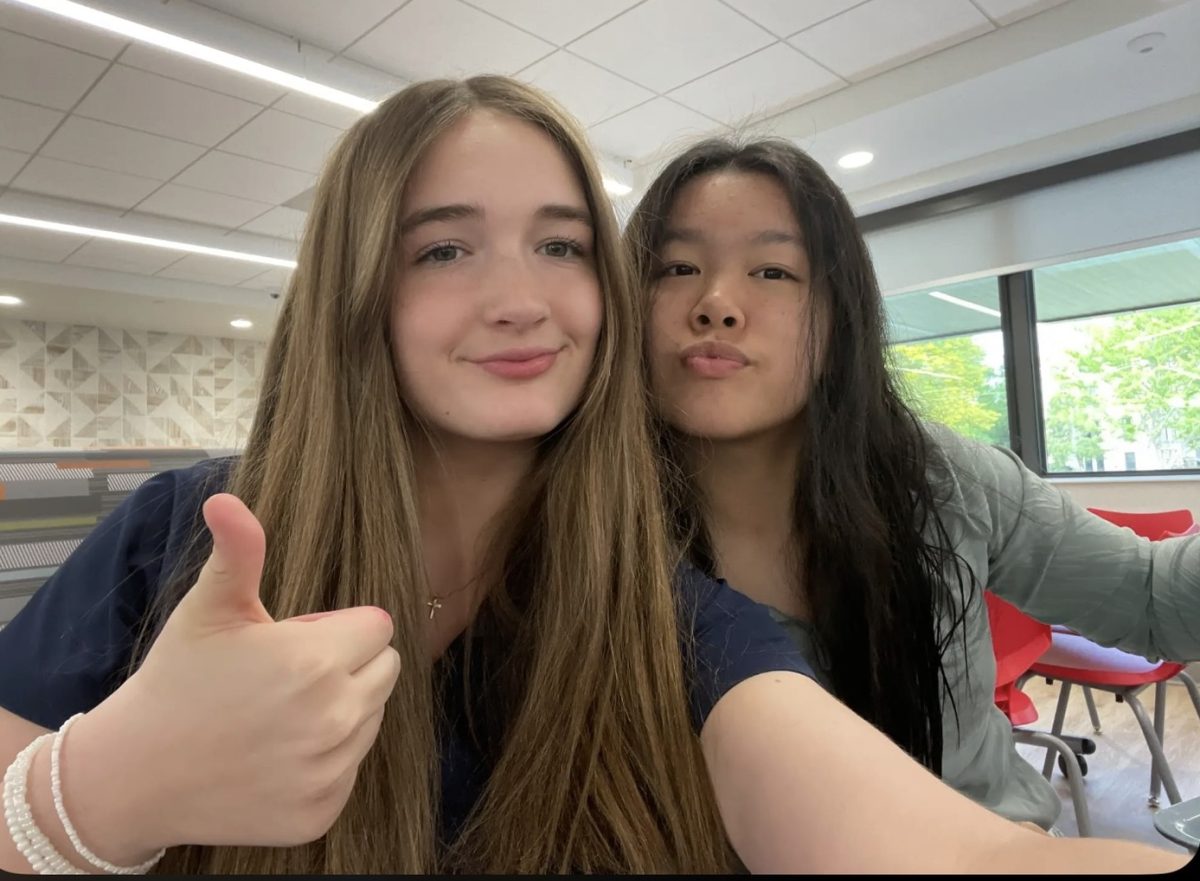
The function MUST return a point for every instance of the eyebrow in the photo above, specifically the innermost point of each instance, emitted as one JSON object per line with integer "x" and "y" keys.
{"x": 778, "y": 237}
{"x": 766, "y": 237}
{"x": 444, "y": 213}
{"x": 438, "y": 214}
{"x": 565, "y": 212}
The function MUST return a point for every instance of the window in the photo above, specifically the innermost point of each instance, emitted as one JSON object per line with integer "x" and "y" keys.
{"x": 1119, "y": 346}
{"x": 947, "y": 355}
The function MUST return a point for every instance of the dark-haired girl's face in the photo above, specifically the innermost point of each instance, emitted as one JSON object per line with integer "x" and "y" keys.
{"x": 730, "y": 325}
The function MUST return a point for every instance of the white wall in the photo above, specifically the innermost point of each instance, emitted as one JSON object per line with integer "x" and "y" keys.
{"x": 1154, "y": 201}
{"x": 1135, "y": 494}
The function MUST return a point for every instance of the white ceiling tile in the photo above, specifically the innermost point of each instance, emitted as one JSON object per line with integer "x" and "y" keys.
{"x": 784, "y": 17}
{"x": 11, "y": 162}
{"x": 239, "y": 176}
{"x": 560, "y": 23}
{"x": 34, "y": 205}
{"x": 271, "y": 280}
{"x": 282, "y": 223}
{"x": 317, "y": 110}
{"x": 1004, "y": 12}
{"x": 882, "y": 34}
{"x": 285, "y": 140}
{"x": 197, "y": 73}
{"x": 436, "y": 38}
{"x": 658, "y": 125}
{"x": 37, "y": 244}
{"x": 665, "y": 43}
{"x": 117, "y": 148}
{"x": 55, "y": 29}
{"x": 213, "y": 270}
{"x": 43, "y": 73}
{"x": 24, "y": 126}
{"x": 202, "y": 206}
{"x": 329, "y": 25}
{"x": 122, "y": 257}
{"x": 164, "y": 106}
{"x": 53, "y": 177}
{"x": 591, "y": 93}
{"x": 772, "y": 79}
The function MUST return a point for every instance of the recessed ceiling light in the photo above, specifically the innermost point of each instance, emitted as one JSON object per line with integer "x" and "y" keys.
{"x": 113, "y": 235}
{"x": 241, "y": 323}
{"x": 857, "y": 159}
{"x": 10, "y": 300}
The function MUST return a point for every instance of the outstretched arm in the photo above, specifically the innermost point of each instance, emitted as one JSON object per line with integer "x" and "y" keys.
{"x": 805, "y": 785}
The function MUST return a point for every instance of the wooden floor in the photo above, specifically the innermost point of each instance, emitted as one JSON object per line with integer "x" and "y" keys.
{"x": 1118, "y": 778}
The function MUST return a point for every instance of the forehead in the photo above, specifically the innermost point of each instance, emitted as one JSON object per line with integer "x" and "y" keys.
{"x": 491, "y": 154}
{"x": 733, "y": 200}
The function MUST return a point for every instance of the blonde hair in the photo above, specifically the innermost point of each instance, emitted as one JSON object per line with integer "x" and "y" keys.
{"x": 597, "y": 766}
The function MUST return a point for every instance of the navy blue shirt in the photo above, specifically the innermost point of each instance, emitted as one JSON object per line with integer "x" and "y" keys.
{"x": 70, "y": 647}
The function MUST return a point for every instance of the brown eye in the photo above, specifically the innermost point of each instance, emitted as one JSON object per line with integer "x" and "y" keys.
{"x": 774, "y": 273}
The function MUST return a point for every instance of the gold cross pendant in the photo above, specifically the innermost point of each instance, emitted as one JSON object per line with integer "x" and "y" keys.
{"x": 434, "y": 604}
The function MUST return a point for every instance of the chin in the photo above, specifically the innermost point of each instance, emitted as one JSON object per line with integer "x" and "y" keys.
{"x": 515, "y": 427}
{"x": 710, "y": 426}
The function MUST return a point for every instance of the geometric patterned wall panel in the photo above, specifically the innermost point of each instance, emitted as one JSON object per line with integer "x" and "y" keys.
{"x": 80, "y": 387}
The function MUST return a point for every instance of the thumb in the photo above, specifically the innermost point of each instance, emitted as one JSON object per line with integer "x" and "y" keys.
{"x": 226, "y": 593}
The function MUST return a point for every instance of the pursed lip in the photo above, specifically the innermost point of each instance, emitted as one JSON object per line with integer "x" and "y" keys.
{"x": 713, "y": 359}
{"x": 717, "y": 350}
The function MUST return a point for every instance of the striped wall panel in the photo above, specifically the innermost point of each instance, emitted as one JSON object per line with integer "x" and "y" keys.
{"x": 50, "y": 501}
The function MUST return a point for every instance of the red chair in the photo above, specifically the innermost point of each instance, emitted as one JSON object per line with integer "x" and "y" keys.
{"x": 1017, "y": 642}
{"x": 1151, "y": 525}
{"x": 1074, "y": 660}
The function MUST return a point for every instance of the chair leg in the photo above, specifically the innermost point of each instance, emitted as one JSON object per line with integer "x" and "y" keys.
{"x": 1155, "y": 745}
{"x": 1193, "y": 691}
{"x": 1160, "y": 719}
{"x": 1060, "y": 713}
{"x": 1091, "y": 705}
{"x": 1052, "y": 745}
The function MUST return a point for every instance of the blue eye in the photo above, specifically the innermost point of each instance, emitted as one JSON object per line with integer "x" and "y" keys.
{"x": 440, "y": 254}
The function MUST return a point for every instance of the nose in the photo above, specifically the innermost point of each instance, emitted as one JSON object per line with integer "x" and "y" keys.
{"x": 514, "y": 298}
{"x": 715, "y": 310}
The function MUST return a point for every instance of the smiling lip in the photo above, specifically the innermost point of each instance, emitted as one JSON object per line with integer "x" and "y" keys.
{"x": 714, "y": 360}
{"x": 519, "y": 363}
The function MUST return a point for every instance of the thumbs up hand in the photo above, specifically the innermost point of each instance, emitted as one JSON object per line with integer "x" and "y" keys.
{"x": 241, "y": 730}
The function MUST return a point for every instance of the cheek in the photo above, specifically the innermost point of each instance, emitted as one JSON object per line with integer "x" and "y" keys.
{"x": 423, "y": 328}
{"x": 664, "y": 321}
{"x": 582, "y": 314}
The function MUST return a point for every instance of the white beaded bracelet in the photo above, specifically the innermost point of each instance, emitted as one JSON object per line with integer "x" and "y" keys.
{"x": 30, "y": 841}
{"x": 80, "y": 848}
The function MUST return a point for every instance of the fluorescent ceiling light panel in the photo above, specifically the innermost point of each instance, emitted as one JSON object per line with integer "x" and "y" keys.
{"x": 966, "y": 304}
{"x": 134, "y": 31}
{"x": 111, "y": 235}
{"x": 143, "y": 34}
